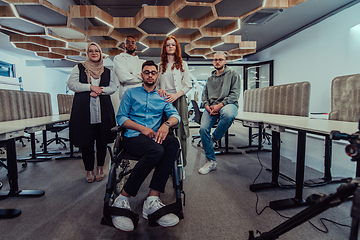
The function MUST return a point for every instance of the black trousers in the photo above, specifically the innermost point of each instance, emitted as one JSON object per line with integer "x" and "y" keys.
{"x": 153, "y": 155}
{"x": 87, "y": 152}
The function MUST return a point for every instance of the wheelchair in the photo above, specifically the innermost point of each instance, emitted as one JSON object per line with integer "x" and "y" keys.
{"x": 120, "y": 167}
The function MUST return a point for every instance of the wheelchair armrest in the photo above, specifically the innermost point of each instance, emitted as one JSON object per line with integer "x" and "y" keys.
{"x": 117, "y": 128}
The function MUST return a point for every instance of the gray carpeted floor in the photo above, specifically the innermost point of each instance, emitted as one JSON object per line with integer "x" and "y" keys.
{"x": 218, "y": 205}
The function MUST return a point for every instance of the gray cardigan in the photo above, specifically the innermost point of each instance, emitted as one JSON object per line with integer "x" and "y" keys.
{"x": 224, "y": 88}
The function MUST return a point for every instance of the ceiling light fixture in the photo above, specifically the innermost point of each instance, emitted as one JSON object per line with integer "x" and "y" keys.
{"x": 247, "y": 48}
{"x": 70, "y": 59}
{"x": 219, "y": 44}
{"x": 146, "y": 47}
{"x": 57, "y": 38}
{"x": 14, "y": 45}
{"x": 237, "y": 59}
{"x": 13, "y": 8}
{"x": 264, "y": 3}
{"x": 172, "y": 31}
{"x": 199, "y": 56}
{"x": 104, "y": 22}
{"x": 239, "y": 26}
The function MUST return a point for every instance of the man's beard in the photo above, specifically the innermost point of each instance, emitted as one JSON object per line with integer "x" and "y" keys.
{"x": 149, "y": 84}
{"x": 219, "y": 68}
{"x": 130, "y": 51}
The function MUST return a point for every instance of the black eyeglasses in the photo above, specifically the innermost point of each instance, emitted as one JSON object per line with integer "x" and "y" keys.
{"x": 171, "y": 44}
{"x": 147, "y": 73}
{"x": 218, "y": 59}
{"x": 132, "y": 42}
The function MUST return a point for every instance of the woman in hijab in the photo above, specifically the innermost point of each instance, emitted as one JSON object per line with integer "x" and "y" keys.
{"x": 92, "y": 114}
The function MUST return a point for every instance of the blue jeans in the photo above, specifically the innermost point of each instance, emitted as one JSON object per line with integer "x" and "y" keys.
{"x": 226, "y": 115}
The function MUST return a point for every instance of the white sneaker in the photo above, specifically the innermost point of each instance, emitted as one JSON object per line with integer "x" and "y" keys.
{"x": 208, "y": 167}
{"x": 121, "y": 222}
{"x": 168, "y": 220}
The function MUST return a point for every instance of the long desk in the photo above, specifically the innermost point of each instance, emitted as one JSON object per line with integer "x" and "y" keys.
{"x": 303, "y": 125}
{"x": 39, "y": 124}
{"x": 8, "y": 132}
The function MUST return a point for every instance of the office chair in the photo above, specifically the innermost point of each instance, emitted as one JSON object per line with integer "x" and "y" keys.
{"x": 266, "y": 137}
{"x": 20, "y": 139}
{"x": 56, "y": 128}
{"x": 2, "y": 151}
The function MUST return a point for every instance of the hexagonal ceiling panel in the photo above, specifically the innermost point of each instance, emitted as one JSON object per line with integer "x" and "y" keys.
{"x": 152, "y": 25}
{"x": 193, "y": 12}
{"x": 240, "y": 7}
{"x": 47, "y": 17}
{"x": 3, "y": 3}
{"x": 21, "y": 26}
{"x": 201, "y": 26}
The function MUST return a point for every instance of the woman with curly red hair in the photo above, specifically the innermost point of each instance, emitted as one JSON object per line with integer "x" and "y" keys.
{"x": 173, "y": 84}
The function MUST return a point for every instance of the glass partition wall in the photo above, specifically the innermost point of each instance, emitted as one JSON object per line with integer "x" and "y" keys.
{"x": 258, "y": 75}
{"x": 253, "y": 75}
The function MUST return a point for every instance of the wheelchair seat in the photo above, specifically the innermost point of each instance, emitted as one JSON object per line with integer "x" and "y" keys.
{"x": 120, "y": 168}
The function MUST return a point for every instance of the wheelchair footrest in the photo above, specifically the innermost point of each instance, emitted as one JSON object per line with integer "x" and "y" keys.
{"x": 114, "y": 211}
{"x": 175, "y": 208}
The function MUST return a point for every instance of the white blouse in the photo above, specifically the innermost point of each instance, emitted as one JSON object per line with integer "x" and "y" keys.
{"x": 174, "y": 81}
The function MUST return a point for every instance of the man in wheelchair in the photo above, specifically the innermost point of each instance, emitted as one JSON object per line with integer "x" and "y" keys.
{"x": 140, "y": 112}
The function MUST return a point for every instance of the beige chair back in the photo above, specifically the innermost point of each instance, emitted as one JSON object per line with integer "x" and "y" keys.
{"x": 345, "y": 98}
{"x": 288, "y": 99}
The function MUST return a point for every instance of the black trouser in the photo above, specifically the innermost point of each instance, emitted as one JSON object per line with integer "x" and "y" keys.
{"x": 153, "y": 155}
{"x": 87, "y": 152}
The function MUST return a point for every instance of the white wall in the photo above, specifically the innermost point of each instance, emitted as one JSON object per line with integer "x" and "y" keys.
{"x": 38, "y": 79}
{"x": 318, "y": 54}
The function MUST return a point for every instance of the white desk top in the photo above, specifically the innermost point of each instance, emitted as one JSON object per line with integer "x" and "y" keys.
{"x": 300, "y": 123}
{"x": 12, "y": 129}
{"x": 40, "y": 121}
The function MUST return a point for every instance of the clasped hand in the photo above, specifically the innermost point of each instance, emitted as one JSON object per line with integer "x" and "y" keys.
{"x": 159, "y": 136}
{"x": 95, "y": 91}
{"x": 214, "y": 109}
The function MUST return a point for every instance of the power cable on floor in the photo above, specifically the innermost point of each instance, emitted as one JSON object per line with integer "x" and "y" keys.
{"x": 283, "y": 216}
{"x": 257, "y": 197}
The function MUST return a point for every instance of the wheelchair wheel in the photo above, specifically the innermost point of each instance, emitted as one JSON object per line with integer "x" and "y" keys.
{"x": 122, "y": 174}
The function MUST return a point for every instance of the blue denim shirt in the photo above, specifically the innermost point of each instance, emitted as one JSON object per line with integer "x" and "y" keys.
{"x": 145, "y": 108}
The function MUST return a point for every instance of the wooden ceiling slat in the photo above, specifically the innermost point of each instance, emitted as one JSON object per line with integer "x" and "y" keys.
{"x": 6, "y": 11}
{"x": 195, "y": 46}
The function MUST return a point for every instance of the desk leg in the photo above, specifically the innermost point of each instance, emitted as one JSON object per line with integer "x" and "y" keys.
{"x": 226, "y": 151}
{"x": 327, "y": 167}
{"x": 328, "y": 151}
{"x": 33, "y": 157}
{"x": 71, "y": 156}
{"x": 275, "y": 163}
{"x": 13, "y": 175}
{"x": 250, "y": 136}
{"x": 297, "y": 201}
